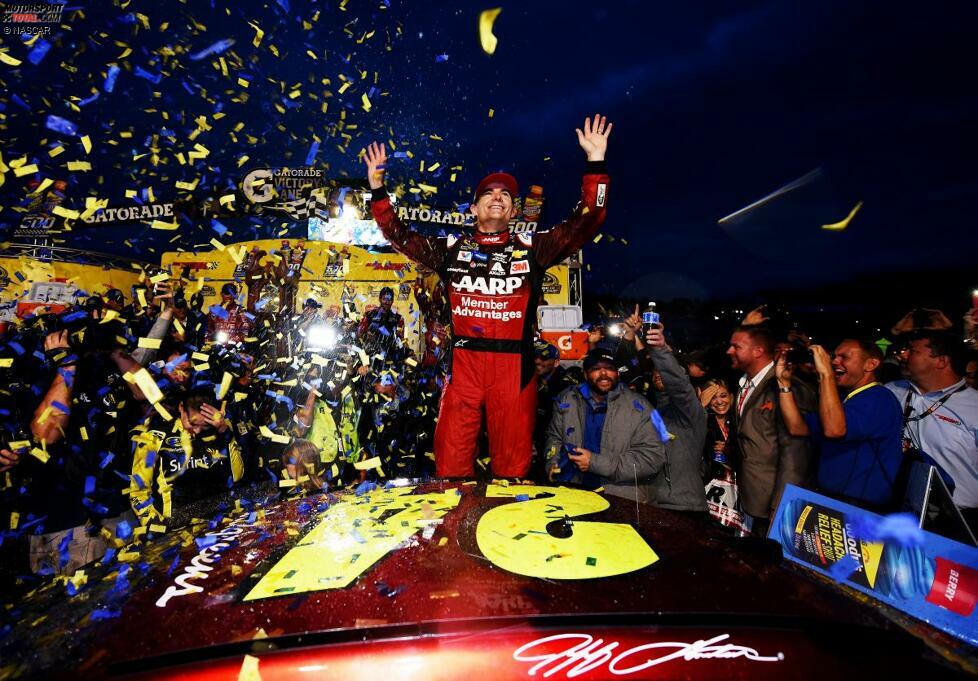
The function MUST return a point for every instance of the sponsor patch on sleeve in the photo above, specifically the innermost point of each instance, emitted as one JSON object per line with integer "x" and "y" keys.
{"x": 602, "y": 191}
{"x": 465, "y": 256}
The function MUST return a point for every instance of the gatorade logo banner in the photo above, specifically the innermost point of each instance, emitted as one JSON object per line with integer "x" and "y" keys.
{"x": 936, "y": 581}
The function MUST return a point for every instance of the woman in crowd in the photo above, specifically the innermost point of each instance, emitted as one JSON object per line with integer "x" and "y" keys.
{"x": 717, "y": 400}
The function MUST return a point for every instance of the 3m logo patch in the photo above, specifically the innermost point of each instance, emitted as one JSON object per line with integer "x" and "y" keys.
{"x": 602, "y": 191}
{"x": 519, "y": 267}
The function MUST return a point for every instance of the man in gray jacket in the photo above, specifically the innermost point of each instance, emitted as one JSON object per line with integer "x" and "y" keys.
{"x": 679, "y": 486}
{"x": 602, "y": 434}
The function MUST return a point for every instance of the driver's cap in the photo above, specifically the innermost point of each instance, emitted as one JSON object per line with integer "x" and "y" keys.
{"x": 504, "y": 180}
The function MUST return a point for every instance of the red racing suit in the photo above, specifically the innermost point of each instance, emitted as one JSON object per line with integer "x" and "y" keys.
{"x": 493, "y": 283}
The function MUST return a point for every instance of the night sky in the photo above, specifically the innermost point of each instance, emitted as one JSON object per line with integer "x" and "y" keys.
{"x": 715, "y": 105}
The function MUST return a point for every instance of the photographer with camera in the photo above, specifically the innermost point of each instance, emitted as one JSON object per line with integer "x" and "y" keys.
{"x": 858, "y": 436}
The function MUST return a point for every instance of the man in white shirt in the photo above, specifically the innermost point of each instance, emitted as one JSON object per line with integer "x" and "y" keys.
{"x": 941, "y": 413}
{"x": 770, "y": 457}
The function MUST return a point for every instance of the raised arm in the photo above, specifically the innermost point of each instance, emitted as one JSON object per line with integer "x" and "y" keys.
{"x": 428, "y": 252}
{"x": 52, "y": 414}
{"x": 569, "y": 236}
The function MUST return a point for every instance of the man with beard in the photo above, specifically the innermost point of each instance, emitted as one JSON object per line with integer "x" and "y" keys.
{"x": 770, "y": 457}
{"x": 602, "y": 434}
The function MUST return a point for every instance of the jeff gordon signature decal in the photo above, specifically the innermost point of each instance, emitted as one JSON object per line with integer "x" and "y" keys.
{"x": 575, "y": 654}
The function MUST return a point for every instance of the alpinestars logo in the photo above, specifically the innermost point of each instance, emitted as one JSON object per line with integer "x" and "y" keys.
{"x": 602, "y": 191}
{"x": 488, "y": 287}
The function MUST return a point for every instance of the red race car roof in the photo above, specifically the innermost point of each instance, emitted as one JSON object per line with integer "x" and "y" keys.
{"x": 461, "y": 577}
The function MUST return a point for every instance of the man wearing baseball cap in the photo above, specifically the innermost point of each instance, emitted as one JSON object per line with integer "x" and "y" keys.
{"x": 603, "y": 434}
{"x": 493, "y": 279}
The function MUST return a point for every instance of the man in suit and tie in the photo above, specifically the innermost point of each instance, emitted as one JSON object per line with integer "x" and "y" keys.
{"x": 770, "y": 457}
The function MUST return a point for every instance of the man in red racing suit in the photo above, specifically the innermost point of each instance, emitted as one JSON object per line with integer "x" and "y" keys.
{"x": 493, "y": 279}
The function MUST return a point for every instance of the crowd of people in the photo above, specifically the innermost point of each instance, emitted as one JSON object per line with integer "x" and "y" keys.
{"x": 731, "y": 429}
{"x": 121, "y": 418}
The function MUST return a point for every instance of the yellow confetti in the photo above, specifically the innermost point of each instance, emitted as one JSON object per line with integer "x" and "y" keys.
{"x": 486, "y": 20}
{"x": 147, "y": 385}
{"x": 427, "y": 188}
{"x": 366, "y": 101}
{"x": 161, "y": 224}
{"x": 839, "y": 226}
{"x": 86, "y": 143}
{"x": 259, "y": 34}
{"x": 7, "y": 59}
{"x": 274, "y": 437}
{"x": 40, "y": 455}
{"x": 76, "y": 166}
{"x": 491, "y": 112}
{"x": 63, "y": 212}
{"x": 25, "y": 170}
{"x": 150, "y": 343}
{"x": 249, "y": 669}
{"x": 189, "y": 186}
{"x": 373, "y": 462}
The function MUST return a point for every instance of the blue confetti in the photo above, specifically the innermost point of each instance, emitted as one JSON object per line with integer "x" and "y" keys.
{"x": 660, "y": 426}
{"x": 110, "y": 77}
{"x": 218, "y": 311}
{"x": 522, "y": 497}
{"x": 103, "y": 614}
{"x": 217, "y": 48}
{"x": 62, "y": 125}
{"x": 206, "y": 540}
{"x": 89, "y": 100}
{"x": 899, "y": 528}
{"x": 123, "y": 530}
{"x": 843, "y": 567}
{"x": 39, "y": 52}
{"x": 311, "y": 156}
{"x": 441, "y": 58}
{"x": 218, "y": 227}
{"x": 146, "y": 75}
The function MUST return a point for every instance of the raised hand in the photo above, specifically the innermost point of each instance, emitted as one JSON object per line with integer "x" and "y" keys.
{"x": 375, "y": 156}
{"x": 707, "y": 395}
{"x": 783, "y": 370}
{"x": 594, "y": 138}
{"x": 823, "y": 363}
{"x": 215, "y": 417}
